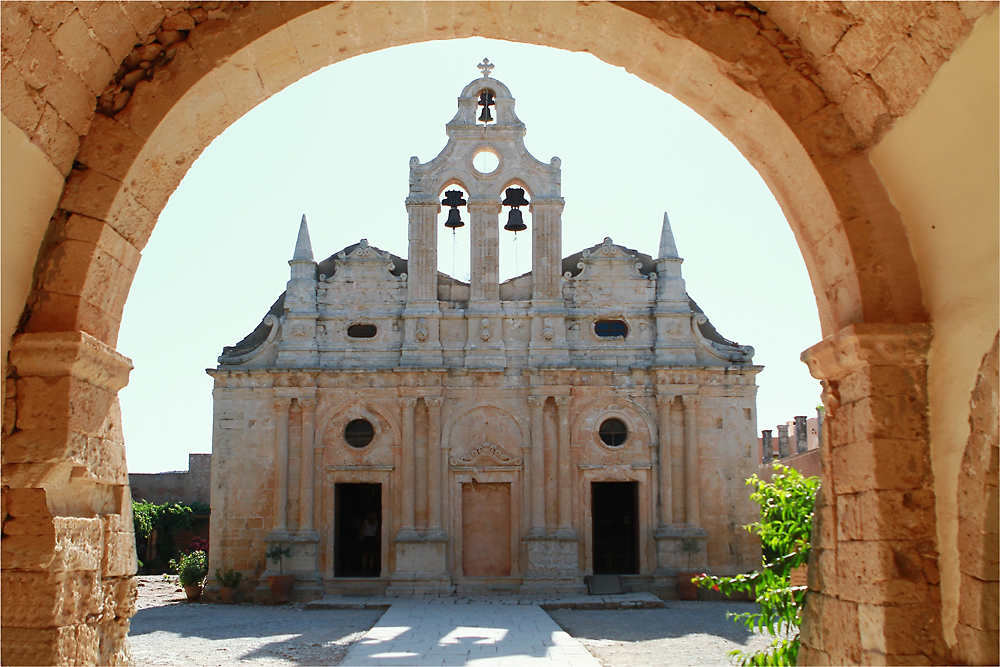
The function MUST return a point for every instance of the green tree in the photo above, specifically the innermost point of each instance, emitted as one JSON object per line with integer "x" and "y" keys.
{"x": 165, "y": 519}
{"x": 785, "y": 527}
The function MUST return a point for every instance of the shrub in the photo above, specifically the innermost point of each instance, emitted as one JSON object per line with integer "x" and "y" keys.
{"x": 785, "y": 528}
{"x": 228, "y": 579}
{"x": 191, "y": 568}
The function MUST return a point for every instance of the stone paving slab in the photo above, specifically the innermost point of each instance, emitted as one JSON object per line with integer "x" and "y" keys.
{"x": 494, "y": 633}
{"x": 642, "y": 600}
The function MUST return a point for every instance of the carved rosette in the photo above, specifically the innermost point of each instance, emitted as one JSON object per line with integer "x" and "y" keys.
{"x": 486, "y": 454}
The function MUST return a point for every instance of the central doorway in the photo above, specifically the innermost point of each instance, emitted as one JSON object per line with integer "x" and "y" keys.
{"x": 615, "y": 511}
{"x": 357, "y": 546}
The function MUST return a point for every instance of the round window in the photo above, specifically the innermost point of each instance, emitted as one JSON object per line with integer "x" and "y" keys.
{"x": 359, "y": 433}
{"x": 613, "y": 432}
{"x": 485, "y": 162}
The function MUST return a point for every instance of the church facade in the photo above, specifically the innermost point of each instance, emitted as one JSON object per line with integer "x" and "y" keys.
{"x": 403, "y": 431}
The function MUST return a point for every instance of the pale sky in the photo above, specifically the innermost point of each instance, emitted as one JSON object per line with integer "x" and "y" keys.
{"x": 336, "y": 147}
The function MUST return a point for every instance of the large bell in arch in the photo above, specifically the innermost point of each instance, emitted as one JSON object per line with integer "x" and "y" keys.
{"x": 454, "y": 199}
{"x": 515, "y": 199}
{"x": 515, "y": 221}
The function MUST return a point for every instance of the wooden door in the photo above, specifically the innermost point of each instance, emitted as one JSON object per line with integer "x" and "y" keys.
{"x": 486, "y": 530}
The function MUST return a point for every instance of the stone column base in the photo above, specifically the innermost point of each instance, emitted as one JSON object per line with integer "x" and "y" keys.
{"x": 421, "y": 566}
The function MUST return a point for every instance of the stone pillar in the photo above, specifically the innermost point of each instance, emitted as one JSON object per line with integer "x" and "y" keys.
{"x": 408, "y": 480}
{"x": 422, "y": 315}
{"x": 546, "y": 248}
{"x": 537, "y": 465}
{"x": 565, "y": 471}
{"x": 484, "y": 231}
{"x": 874, "y": 592}
{"x": 281, "y": 409}
{"x": 307, "y": 465}
{"x": 692, "y": 496}
{"x": 782, "y": 441}
{"x": 666, "y": 513}
{"x": 434, "y": 464}
{"x": 801, "y": 435}
{"x": 767, "y": 447}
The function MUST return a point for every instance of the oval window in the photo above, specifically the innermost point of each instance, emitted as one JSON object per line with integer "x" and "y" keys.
{"x": 611, "y": 328}
{"x": 613, "y": 432}
{"x": 362, "y": 330}
{"x": 359, "y": 433}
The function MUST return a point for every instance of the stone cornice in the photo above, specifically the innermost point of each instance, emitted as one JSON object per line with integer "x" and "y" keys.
{"x": 70, "y": 353}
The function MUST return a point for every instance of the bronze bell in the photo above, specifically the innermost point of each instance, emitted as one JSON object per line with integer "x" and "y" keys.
{"x": 486, "y": 100}
{"x": 454, "y": 199}
{"x": 454, "y": 219}
{"x": 515, "y": 221}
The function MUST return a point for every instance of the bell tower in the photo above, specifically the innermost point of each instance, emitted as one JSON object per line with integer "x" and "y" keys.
{"x": 485, "y": 123}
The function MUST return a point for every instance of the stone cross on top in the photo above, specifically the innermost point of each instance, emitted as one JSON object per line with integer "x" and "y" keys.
{"x": 485, "y": 67}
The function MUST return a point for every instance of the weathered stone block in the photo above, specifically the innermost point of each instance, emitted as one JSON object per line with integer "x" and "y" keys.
{"x": 18, "y": 101}
{"x": 114, "y": 30}
{"x": 59, "y": 141}
{"x": 39, "y": 61}
{"x": 72, "y": 98}
{"x": 89, "y": 192}
{"x": 880, "y": 572}
{"x": 58, "y": 598}
{"x": 110, "y": 147}
{"x": 75, "y": 42}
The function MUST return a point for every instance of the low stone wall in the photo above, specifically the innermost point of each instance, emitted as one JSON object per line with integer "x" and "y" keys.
{"x": 190, "y": 486}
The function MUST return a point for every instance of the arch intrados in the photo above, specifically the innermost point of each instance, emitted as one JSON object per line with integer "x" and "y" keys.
{"x": 517, "y": 182}
{"x": 679, "y": 67}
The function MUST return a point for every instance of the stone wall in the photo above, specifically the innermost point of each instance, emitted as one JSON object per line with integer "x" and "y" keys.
{"x": 190, "y": 486}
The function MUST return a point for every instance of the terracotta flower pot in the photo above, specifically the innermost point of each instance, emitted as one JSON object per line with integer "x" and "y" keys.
{"x": 281, "y": 587}
{"x": 686, "y": 588}
{"x": 228, "y": 594}
{"x": 193, "y": 592}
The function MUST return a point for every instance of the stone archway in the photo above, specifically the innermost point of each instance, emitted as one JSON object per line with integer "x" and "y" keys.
{"x": 797, "y": 89}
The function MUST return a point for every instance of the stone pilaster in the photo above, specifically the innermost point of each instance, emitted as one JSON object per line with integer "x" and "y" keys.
{"x": 565, "y": 529}
{"x": 666, "y": 473}
{"x": 281, "y": 409}
{"x": 692, "y": 491}
{"x": 434, "y": 466}
{"x": 68, "y": 547}
{"x": 873, "y": 578}
{"x": 307, "y": 466}
{"x": 537, "y": 465}
{"x": 408, "y": 476}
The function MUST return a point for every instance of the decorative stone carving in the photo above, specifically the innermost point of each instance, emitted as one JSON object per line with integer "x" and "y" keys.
{"x": 486, "y": 453}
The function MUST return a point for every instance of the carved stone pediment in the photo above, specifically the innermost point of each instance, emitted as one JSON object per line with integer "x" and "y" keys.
{"x": 486, "y": 454}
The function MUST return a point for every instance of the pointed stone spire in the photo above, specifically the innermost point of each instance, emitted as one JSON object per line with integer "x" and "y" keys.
{"x": 303, "y": 246}
{"x": 668, "y": 249}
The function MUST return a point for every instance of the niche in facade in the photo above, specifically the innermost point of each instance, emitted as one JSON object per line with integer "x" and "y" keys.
{"x": 611, "y": 328}
{"x": 362, "y": 331}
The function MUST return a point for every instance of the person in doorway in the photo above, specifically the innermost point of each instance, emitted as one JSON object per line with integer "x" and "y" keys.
{"x": 369, "y": 544}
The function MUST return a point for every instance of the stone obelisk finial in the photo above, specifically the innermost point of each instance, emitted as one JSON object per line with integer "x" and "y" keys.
{"x": 668, "y": 249}
{"x": 303, "y": 246}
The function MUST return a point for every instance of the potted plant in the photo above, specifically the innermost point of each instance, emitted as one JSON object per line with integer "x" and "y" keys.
{"x": 280, "y": 584}
{"x": 687, "y": 589}
{"x": 228, "y": 580}
{"x": 191, "y": 570}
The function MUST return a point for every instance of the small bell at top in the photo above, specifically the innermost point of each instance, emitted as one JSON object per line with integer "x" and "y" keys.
{"x": 515, "y": 221}
{"x": 486, "y": 100}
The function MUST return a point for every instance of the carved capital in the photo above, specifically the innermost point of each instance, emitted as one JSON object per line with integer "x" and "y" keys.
{"x": 282, "y": 404}
{"x": 308, "y": 404}
{"x": 563, "y": 401}
{"x": 486, "y": 206}
{"x": 664, "y": 400}
{"x": 434, "y": 403}
{"x": 867, "y": 344}
{"x": 408, "y": 403}
{"x": 537, "y": 401}
{"x": 690, "y": 401}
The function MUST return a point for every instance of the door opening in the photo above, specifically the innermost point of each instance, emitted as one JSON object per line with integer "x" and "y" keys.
{"x": 357, "y": 546}
{"x": 486, "y": 530}
{"x": 615, "y": 511}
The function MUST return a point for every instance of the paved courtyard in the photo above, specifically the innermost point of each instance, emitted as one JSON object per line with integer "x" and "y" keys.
{"x": 445, "y": 631}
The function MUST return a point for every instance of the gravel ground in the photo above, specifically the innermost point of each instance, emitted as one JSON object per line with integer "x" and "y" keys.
{"x": 167, "y": 630}
{"x": 683, "y": 633}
